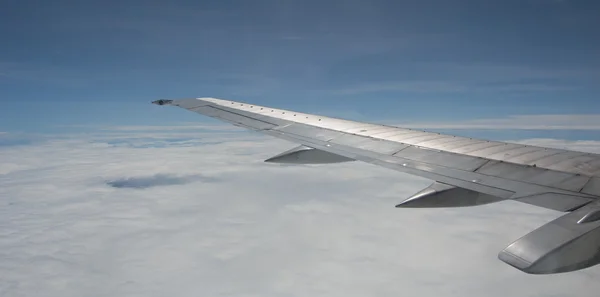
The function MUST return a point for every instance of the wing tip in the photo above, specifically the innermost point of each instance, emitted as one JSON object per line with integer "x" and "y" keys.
{"x": 162, "y": 102}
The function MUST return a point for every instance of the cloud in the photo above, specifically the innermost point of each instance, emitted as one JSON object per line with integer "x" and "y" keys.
{"x": 262, "y": 230}
{"x": 520, "y": 122}
{"x": 457, "y": 78}
{"x": 401, "y": 86}
{"x": 157, "y": 180}
{"x": 433, "y": 86}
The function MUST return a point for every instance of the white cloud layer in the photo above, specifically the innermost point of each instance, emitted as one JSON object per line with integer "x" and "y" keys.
{"x": 211, "y": 219}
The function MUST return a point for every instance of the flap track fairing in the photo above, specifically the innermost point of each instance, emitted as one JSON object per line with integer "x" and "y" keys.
{"x": 307, "y": 155}
{"x": 443, "y": 195}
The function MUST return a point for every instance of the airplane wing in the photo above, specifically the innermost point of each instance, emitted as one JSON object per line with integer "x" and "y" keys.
{"x": 465, "y": 171}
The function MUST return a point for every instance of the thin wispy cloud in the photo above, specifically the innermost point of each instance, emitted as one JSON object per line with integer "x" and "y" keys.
{"x": 437, "y": 87}
{"x": 453, "y": 78}
{"x": 415, "y": 86}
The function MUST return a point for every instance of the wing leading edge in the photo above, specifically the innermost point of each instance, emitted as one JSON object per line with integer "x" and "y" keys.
{"x": 466, "y": 172}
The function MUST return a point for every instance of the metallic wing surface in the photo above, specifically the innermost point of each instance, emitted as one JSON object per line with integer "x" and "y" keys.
{"x": 465, "y": 171}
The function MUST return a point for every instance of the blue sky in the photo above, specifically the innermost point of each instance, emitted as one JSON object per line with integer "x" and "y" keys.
{"x": 65, "y": 63}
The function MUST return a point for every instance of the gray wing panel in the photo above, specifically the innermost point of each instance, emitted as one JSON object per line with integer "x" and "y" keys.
{"x": 369, "y": 144}
{"x": 308, "y": 131}
{"x": 539, "y": 176}
{"x": 445, "y": 159}
{"x": 236, "y": 118}
{"x": 533, "y": 157}
{"x": 479, "y": 146}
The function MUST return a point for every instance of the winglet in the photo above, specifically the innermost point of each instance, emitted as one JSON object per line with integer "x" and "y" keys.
{"x": 162, "y": 102}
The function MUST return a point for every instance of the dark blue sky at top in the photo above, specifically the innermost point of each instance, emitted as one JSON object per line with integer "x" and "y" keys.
{"x": 102, "y": 62}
